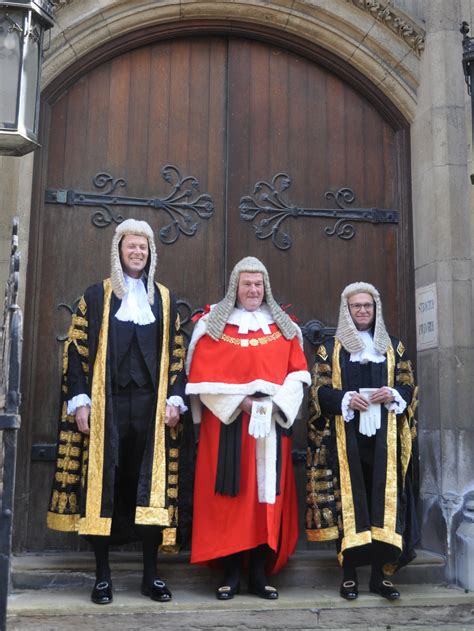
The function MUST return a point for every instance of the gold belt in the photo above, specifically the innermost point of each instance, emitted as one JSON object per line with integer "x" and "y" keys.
{"x": 253, "y": 342}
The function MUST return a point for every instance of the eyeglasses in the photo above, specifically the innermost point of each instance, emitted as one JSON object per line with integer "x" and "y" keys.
{"x": 357, "y": 306}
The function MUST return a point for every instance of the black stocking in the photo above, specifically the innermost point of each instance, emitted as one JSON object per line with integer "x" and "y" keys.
{"x": 150, "y": 540}
{"x": 100, "y": 545}
{"x": 377, "y": 575}
{"x": 258, "y": 558}
{"x": 231, "y": 566}
{"x": 350, "y": 572}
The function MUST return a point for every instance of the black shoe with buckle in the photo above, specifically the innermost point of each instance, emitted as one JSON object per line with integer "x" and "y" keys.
{"x": 385, "y": 589}
{"x": 227, "y": 592}
{"x": 349, "y": 590}
{"x": 102, "y": 592}
{"x": 263, "y": 591}
{"x": 157, "y": 591}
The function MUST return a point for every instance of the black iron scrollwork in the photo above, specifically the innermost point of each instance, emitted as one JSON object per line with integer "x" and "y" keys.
{"x": 185, "y": 311}
{"x": 316, "y": 332}
{"x": 71, "y": 309}
{"x": 268, "y": 210}
{"x": 182, "y": 205}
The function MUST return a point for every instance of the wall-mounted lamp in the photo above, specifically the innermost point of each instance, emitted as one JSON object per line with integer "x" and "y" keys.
{"x": 22, "y": 27}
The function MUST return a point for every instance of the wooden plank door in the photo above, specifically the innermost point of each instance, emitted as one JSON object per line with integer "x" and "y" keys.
{"x": 229, "y": 112}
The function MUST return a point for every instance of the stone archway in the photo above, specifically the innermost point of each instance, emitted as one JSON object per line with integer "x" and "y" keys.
{"x": 374, "y": 38}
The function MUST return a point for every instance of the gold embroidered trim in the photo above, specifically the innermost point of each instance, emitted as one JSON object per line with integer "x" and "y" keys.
{"x": 169, "y": 536}
{"x": 322, "y": 352}
{"x": 350, "y": 538}
{"x": 387, "y": 535}
{"x": 174, "y": 453}
{"x": 400, "y": 349}
{"x": 82, "y": 350}
{"x": 79, "y": 321}
{"x": 93, "y": 523}
{"x": 65, "y": 523}
{"x": 391, "y": 484}
{"x": 151, "y": 516}
{"x": 323, "y": 534}
{"x": 245, "y": 343}
{"x": 355, "y": 539}
{"x": 158, "y": 479}
{"x": 77, "y": 334}
{"x": 405, "y": 446}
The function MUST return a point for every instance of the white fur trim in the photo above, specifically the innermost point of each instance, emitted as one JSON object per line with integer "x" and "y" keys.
{"x": 210, "y": 387}
{"x": 290, "y": 395}
{"x": 196, "y": 408}
{"x": 198, "y": 332}
{"x": 225, "y": 407}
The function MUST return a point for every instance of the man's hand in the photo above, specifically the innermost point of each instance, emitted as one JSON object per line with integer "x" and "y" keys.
{"x": 83, "y": 413}
{"x": 358, "y": 402}
{"x": 382, "y": 395}
{"x": 246, "y": 405}
{"x": 171, "y": 415}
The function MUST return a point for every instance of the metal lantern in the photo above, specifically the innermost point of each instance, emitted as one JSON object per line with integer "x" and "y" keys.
{"x": 22, "y": 27}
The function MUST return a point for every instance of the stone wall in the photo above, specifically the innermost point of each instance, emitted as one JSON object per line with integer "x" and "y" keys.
{"x": 443, "y": 255}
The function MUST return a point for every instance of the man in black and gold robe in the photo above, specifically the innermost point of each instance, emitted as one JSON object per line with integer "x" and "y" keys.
{"x": 116, "y": 476}
{"x": 361, "y": 436}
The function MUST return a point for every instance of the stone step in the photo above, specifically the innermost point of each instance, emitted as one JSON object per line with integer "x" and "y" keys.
{"x": 311, "y": 568}
{"x": 196, "y": 608}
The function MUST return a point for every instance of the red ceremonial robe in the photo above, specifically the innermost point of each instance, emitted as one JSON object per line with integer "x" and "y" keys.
{"x": 223, "y": 524}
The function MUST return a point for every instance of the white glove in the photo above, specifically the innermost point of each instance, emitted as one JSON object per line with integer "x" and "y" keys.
{"x": 369, "y": 421}
{"x": 261, "y": 418}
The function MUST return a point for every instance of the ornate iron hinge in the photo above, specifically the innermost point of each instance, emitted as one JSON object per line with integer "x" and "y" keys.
{"x": 183, "y": 200}
{"x": 316, "y": 332}
{"x": 185, "y": 311}
{"x": 267, "y": 201}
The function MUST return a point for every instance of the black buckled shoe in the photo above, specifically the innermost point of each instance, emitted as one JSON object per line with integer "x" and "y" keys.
{"x": 349, "y": 590}
{"x": 263, "y": 591}
{"x": 385, "y": 589}
{"x": 158, "y": 591}
{"x": 227, "y": 592}
{"x": 102, "y": 593}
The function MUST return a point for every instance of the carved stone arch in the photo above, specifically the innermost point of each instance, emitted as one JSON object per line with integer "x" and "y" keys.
{"x": 376, "y": 40}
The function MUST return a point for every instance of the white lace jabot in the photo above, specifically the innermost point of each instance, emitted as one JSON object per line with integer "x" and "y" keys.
{"x": 251, "y": 320}
{"x": 135, "y": 306}
{"x": 369, "y": 354}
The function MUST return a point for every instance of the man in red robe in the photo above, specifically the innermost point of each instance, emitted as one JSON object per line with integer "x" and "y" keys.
{"x": 246, "y": 374}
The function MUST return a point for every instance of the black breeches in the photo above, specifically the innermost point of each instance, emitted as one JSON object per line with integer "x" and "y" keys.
{"x": 133, "y": 409}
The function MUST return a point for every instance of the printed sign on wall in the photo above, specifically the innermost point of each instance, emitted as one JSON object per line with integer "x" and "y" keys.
{"x": 426, "y": 317}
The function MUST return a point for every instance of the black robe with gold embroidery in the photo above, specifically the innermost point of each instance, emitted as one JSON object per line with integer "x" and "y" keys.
{"x": 359, "y": 490}
{"x": 83, "y": 488}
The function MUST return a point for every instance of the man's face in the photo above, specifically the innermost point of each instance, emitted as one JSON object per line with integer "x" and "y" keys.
{"x": 362, "y": 310}
{"x": 251, "y": 290}
{"x": 133, "y": 254}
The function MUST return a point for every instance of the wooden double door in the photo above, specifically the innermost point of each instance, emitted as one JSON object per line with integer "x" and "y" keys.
{"x": 223, "y": 113}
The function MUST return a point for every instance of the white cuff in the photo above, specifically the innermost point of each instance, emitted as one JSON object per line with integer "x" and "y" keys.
{"x": 177, "y": 402}
{"x": 78, "y": 401}
{"x": 347, "y": 413}
{"x": 398, "y": 406}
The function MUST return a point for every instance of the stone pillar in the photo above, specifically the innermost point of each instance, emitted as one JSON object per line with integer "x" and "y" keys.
{"x": 16, "y": 176}
{"x": 443, "y": 232}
